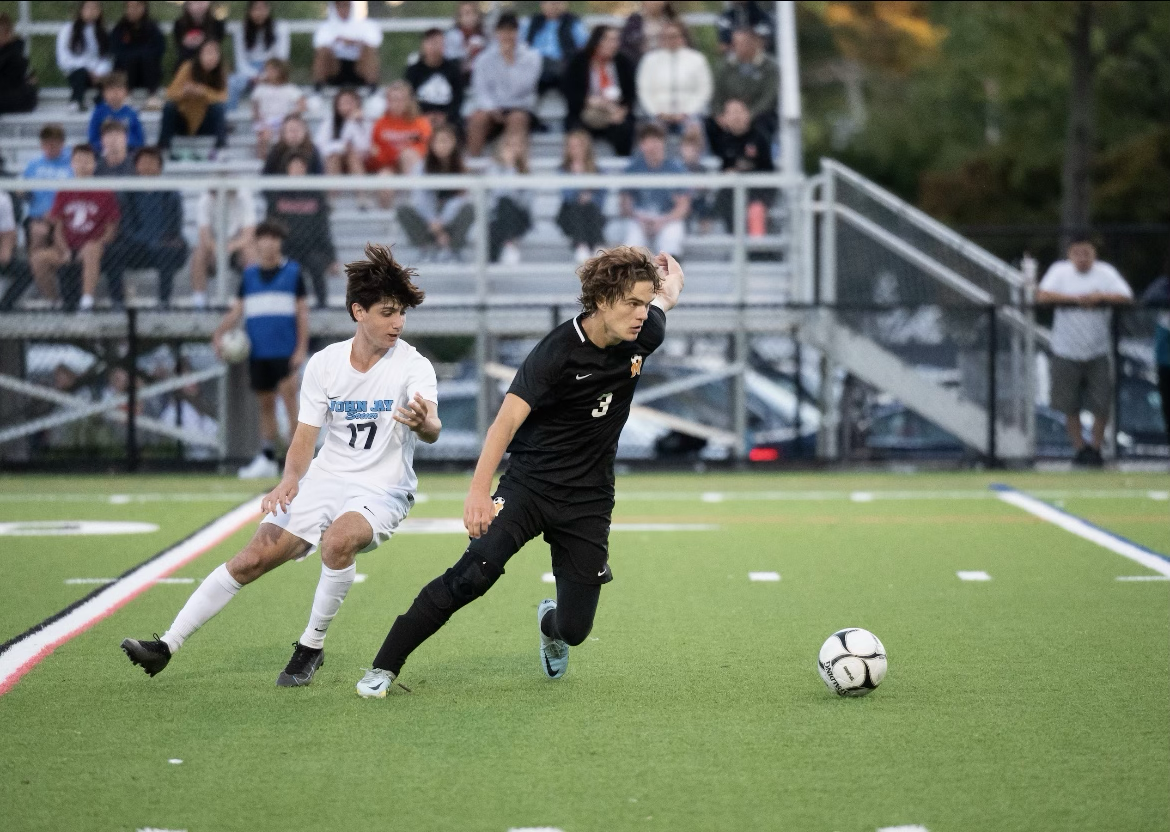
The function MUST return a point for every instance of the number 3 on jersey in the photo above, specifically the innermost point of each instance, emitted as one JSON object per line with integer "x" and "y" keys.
{"x": 353, "y": 433}
{"x": 603, "y": 405}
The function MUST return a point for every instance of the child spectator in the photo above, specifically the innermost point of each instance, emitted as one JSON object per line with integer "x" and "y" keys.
{"x": 195, "y": 26}
{"x": 83, "y": 52}
{"x": 657, "y": 215}
{"x": 580, "y": 216}
{"x": 258, "y": 41}
{"x": 642, "y": 31}
{"x": 115, "y": 157}
{"x": 747, "y": 73}
{"x": 690, "y": 153}
{"x": 271, "y": 302}
{"x": 345, "y": 49}
{"x": 53, "y": 163}
{"x": 344, "y": 137}
{"x": 400, "y": 136}
{"x": 557, "y": 35}
{"x": 437, "y": 81}
{"x": 305, "y": 214}
{"x": 511, "y": 218}
{"x": 466, "y": 39}
{"x": 114, "y": 107}
{"x": 138, "y": 45}
{"x": 18, "y": 86}
{"x": 195, "y": 99}
{"x": 437, "y": 222}
{"x": 674, "y": 82}
{"x": 273, "y": 99}
{"x": 241, "y": 231}
{"x": 743, "y": 148}
{"x": 83, "y": 223}
{"x": 504, "y": 81}
{"x": 294, "y": 140}
{"x": 600, "y": 91}
{"x": 151, "y": 235}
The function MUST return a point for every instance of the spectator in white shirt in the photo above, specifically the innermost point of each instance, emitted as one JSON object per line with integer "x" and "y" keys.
{"x": 345, "y": 49}
{"x": 466, "y": 39}
{"x": 1083, "y": 289}
{"x": 241, "y": 233}
{"x": 674, "y": 82}
{"x": 84, "y": 52}
{"x": 260, "y": 39}
{"x": 344, "y": 138}
{"x": 273, "y": 100}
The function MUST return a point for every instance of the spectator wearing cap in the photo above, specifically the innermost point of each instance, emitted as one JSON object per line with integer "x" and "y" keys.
{"x": 557, "y": 35}
{"x": 138, "y": 45}
{"x": 345, "y": 49}
{"x": 115, "y": 106}
{"x": 83, "y": 52}
{"x": 1083, "y": 289}
{"x": 305, "y": 214}
{"x": 674, "y": 82}
{"x": 600, "y": 91}
{"x": 196, "y": 25}
{"x": 254, "y": 44}
{"x": 271, "y": 302}
{"x": 750, "y": 75}
{"x": 437, "y": 81}
{"x": 745, "y": 14}
{"x": 657, "y": 216}
{"x": 503, "y": 82}
{"x": 18, "y": 87}
{"x": 151, "y": 233}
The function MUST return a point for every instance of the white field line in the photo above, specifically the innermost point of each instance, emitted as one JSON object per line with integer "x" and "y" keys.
{"x": 842, "y": 496}
{"x": 125, "y": 499}
{"x": 81, "y": 581}
{"x": 548, "y": 578}
{"x": 914, "y": 827}
{"x": 763, "y": 576}
{"x": 974, "y": 575}
{"x": 23, "y": 655}
{"x": 1084, "y": 529}
{"x": 1143, "y": 577}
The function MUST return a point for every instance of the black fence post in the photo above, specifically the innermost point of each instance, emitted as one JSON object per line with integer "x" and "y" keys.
{"x": 132, "y": 389}
{"x": 992, "y": 385}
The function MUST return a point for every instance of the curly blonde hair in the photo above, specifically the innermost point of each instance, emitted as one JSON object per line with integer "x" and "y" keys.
{"x": 609, "y": 276}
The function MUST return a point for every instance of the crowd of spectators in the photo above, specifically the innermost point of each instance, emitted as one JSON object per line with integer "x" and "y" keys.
{"x": 471, "y": 92}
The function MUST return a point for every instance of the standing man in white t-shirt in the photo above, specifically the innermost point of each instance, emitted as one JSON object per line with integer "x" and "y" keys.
{"x": 375, "y": 396}
{"x": 1083, "y": 290}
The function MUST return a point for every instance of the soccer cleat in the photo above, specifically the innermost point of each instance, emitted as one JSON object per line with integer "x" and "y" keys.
{"x": 260, "y": 468}
{"x": 554, "y": 653}
{"x": 151, "y": 656}
{"x": 301, "y": 667}
{"x": 375, "y": 684}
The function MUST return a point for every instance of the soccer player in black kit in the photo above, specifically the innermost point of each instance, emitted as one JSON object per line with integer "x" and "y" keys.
{"x": 560, "y": 421}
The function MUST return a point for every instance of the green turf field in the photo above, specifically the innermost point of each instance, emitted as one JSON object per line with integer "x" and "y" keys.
{"x": 1035, "y": 701}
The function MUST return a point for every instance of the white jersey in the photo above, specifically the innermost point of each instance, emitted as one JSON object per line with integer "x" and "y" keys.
{"x": 363, "y": 443}
{"x": 1082, "y": 334}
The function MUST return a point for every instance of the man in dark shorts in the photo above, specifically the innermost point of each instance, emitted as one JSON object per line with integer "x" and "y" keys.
{"x": 275, "y": 311}
{"x": 560, "y": 421}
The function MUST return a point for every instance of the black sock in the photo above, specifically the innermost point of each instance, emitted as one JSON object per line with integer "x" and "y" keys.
{"x": 269, "y": 453}
{"x": 412, "y": 628}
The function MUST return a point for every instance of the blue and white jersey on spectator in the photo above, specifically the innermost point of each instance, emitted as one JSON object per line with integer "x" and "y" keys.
{"x": 270, "y": 308}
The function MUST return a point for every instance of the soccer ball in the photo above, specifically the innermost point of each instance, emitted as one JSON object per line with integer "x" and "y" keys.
{"x": 852, "y": 662}
{"x": 234, "y": 346}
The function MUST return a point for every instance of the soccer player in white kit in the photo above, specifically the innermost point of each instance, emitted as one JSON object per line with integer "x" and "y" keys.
{"x": 375, "y": 396}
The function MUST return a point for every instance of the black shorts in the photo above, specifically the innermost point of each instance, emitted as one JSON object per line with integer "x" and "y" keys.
{"x": 267, "y": 373}
{"x": 575, "y": 524}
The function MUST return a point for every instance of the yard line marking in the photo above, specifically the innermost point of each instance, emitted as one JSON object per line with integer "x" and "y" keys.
{"x": 973, "y": 576}
{"x": 454, "y": 525}
{"x": 56, "y": 528}
{"x": 76, "y": 581}
{"x": 711, "y": 497}
{"x": 124, "y": 499}
{"x": 175, "y": 761}
{"x": 1143, "y": 577}
{"x": 1160, "y": 495}
{"x": 21, "y": 654}
{"x": 862, "y": 496}
{"x": 1083, "y": 528}
{"x": 548, "y": 578}
{"x": 359, "y": 577}
{"x": 914, "y": 827}
{"x": 763, "y": 576}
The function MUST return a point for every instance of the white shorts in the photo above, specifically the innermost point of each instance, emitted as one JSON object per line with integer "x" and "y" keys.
{"x": 321, "y": 500}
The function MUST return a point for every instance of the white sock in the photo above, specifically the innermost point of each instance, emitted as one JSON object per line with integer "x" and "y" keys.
{"x": 331, "y": 591}
{"x": 212, "y": 596}
{"x": 199, "y": 300}
{"x": 86, "y": 302}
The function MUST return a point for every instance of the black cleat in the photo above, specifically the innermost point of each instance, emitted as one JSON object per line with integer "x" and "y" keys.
{"x": 151, "y": 656}
{"x": 301, "y": 667}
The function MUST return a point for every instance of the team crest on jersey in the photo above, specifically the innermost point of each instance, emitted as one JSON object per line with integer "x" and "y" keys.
{"x": 636, "y": 366}
{"x": 497, "y": 506}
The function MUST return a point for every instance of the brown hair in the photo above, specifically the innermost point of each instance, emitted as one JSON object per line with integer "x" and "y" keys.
{"x": 412, "y": 111}
{"x": 649, "y": 130}
{"x": 380, "y": 277}
{"x": 590, "y": 159}
{"x": 281, "y": 69}
{"x": 117, "y": 78}
{"x": 52, "y": 133}
{"x": 79, "y": 149}
{"x": 272, "y": 228}
{"x": 112, "y": 125}
{"x": 609, "y": 276}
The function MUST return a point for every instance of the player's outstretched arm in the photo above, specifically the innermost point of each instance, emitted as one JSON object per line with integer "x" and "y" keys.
{"x": 296, "y": 463}
{"x": 672, "y": 281}
{"x": 478, "y": 510}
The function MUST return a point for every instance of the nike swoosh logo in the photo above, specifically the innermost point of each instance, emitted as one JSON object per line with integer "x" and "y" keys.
{"x": 549, "y": 667}
{"x": 584, "y": 376}
{"x": 378, "y": 686}
{"x": 333, "y": 398}
{"x": 602, "y": 572}
{"x": 319, "y": 630}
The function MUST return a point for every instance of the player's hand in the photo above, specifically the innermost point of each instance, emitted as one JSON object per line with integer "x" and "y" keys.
{"x": 280, "y": 497}
{"x": 478, "y": 511}
{"x": 414, "y": 415}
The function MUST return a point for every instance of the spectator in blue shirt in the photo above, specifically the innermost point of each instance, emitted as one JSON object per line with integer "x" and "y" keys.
{"x": 53, "y": 163}
{"x": 657, "y": 216}
{"x": 557, "y": 35}
{"x": 114, "y": 107}
{"x": 150, "y": 235}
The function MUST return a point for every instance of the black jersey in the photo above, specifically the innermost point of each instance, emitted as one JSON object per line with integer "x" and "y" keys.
{"x": 580, "y": 395}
